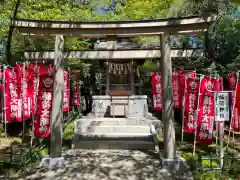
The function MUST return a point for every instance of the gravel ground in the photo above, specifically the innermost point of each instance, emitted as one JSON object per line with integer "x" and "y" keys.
{"x": 109, "y": 165}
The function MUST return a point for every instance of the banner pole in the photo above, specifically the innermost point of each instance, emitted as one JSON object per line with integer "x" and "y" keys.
{"x": 221, "y": 134}
{"x": 220, "y": 127}
{"x": 196, "y": 119}
{"x": 4, "y": 100}
{"x": 216, "y": 124}
{"x": 195, "y": 131}
{"x": 183, "y": 107}
{"x": 69, "y": 74}
{"x": 216, "y": 137}
{"x": 34, "y": 103}
{"x": 2, "y": 105}
{"x": 233, "y": 109}
{"x": 22, "y": 99}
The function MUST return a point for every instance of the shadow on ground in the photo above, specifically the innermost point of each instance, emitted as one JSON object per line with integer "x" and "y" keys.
{"x": 109, "y": 165}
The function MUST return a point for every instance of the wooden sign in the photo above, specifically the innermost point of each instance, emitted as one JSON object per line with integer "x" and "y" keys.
{"x": 221, "y": 106}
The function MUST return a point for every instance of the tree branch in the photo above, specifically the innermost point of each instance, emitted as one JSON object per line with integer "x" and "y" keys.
{"x": 10, "y": 32}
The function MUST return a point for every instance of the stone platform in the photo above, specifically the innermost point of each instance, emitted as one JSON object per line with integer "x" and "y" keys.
{"x": 115, "y": 133}
{"x": 117, "y": 122}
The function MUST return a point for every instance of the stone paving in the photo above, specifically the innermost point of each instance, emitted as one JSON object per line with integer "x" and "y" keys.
{"x": 109, "y": 165}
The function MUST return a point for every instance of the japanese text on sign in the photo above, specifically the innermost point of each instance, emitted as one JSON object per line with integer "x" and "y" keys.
{"x": 221, "y": 106}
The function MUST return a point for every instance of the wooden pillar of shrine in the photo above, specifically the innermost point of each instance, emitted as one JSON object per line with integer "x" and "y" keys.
{"x": 168, "y": 108}
{"x": 57, "y": 102}
{"x": 111, "y": 44}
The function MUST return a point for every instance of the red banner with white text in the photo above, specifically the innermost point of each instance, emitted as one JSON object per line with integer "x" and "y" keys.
{"x": 33, "y": 79}
{"x": 13, "y": 111}
{"x": 176, "y": 89}
{"x": 66, "y": 98}
{"x": 206, "y": 114}
{"x": 76, "y": 101}
{"x": 44, "y": 104}
{"x": 191, "y": 102}
{"x": 156, "y": 92}
{"x": 183, "y": 76}
{"x": 22, "y": 75}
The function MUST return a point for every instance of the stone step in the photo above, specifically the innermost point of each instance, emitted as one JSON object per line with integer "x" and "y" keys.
{"x": 112, "y": 129}
{"x": 115, "y": 137}
{"x": 90, "y": 121}
{"x": 128, "y": 145}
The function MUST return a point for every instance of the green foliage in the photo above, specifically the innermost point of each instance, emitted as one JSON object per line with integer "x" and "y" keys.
{"x": 29, "y": 160}
{"x": 237, "y": 2}
{"x": 225, "y": 44}
{"x": 160, "y": 137}
{"x": 193, "y": 162}
{"x": 54, "y": 10}
{"x": 223, "y": 41}
{"x": 35, "y": 154}
{"x": 2, "y": 133}
{"x": 69, "y": 131}
{"x": 144, "y": 9}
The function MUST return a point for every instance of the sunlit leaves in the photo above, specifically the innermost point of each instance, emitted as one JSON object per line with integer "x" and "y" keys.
{"x": 144, "y": 9}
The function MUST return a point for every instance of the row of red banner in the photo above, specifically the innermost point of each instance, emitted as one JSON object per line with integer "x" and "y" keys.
{"x": 178, "y": 84}
{"x": 29, "y": 92}
{"x": 198, "y": 95}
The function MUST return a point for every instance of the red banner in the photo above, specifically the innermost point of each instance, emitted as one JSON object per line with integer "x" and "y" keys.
{"x": 76, "y": 95}
{"x": 77, "y": 100}
{"x": 2, "y": 90}
{"x": 232, "y": 84}
{"x": 66, "y": 104}
{"x": 232, "y": 80}
{"x": 44, "y": 104}
{"x": 12, "y": 96}
{"x": 220, "y": 82}
{"x": 176, "y": 90}
{"x": 156, "y": 92}
{"x": 184, "y": 75}
{"x": 206, "y": 114}
{"x": 22, "y": 75}
{"x": 33, "y": 82}
{"x": 236, "y": 116}
{"x": 191, "y": 102}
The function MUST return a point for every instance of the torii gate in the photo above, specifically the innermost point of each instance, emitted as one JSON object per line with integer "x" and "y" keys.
{"x": 117, "y": 55}
{"x": 111, "y": 30}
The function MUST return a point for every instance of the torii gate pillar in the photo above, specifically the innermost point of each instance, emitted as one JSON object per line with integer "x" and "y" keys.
{"x": 56, "y": 159}
{"x": 168, "y": 109}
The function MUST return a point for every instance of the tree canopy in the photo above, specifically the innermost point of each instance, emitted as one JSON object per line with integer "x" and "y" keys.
{"x": 223, "y": 42}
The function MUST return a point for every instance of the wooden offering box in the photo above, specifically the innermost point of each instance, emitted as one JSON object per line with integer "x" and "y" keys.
{"x": 121, "y": 93}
